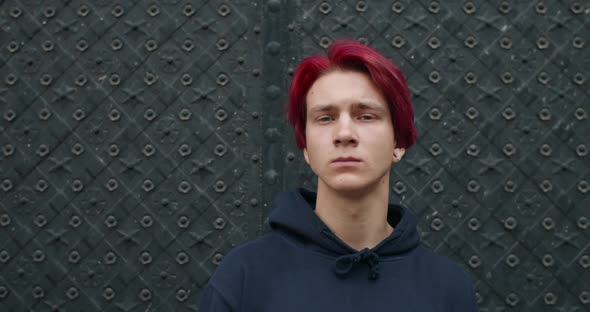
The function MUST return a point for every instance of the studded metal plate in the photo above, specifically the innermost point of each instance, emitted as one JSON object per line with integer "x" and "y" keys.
{"x": 140, "y": 141}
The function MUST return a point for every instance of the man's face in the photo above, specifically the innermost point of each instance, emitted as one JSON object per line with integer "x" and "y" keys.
{"x": 349, "y": 132}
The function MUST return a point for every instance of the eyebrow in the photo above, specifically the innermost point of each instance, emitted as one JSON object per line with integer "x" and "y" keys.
{"x": 355, "y": 106}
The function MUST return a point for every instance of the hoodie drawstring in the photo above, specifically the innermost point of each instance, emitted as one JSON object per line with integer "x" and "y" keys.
{"x": 344, "y": 264}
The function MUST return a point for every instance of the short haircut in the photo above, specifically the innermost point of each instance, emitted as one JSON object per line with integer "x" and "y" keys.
{"x": 351, "y": 55}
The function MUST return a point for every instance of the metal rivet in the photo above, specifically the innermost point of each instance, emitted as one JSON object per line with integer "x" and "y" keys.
{"x": 181, "y": 295}
{"x": 219, "y": 223}
{"x": 474, "y": 261}
{"x": 472, "y": 113}
{"x": 108, "y": 293}
{"x": 110, "y": 221}
{"x": 188, "y": 10}
{"x": 222, "y": 44}
{"x": 112, "y": 184}
{"x": 115, "y": 80}
{"x": 361, "y": 6}
{"x": 145, "y": 294}
{"x": 147, "y": 185}
{"x": 542, "y": 43}
{"x": 579, "y": 79}
{"x": 220, "y": 150}
{"x": 82, "y": 45}
{"x": 435, "y": 149}
{"x": 436, "y": 186}
{"x": 578, "y": 42}
{"x": 470, "y": 78}
{"x": 469, "y": 7}
{"x": 543, "y": 78}
{"x": 45, "y": 79}
{"x": 508, "y": 113}
{"x": 474, "y": 224}
{"x": 72, "y": 293}
{"x": 184, "y": 187}
{"x": 74, "y": 256}
{"x": 434, "y": 77}
{"x": 184, "y": 150}
{"x": 507, "y": 78}
{"x": 151, "y": 45}
{"x": 541, "y": 8}
{"x": 223, "y": 10}
{"x": 118, "y": 11}
{"x": 548, "y": 223}
{"x": 325, "y": 8}
{"x": 512, "y": 299}
{"x": 183, "y": 222}
{"x": 145, "y": 258}
{"x": 504, "y": 7}
{"x": 505, "y": 43}
{"x": 545, "y": 150}
{"x": 584, "y": 297}
{"x": 470, "y": 42}
{"x": 581, "y": 150}
{"x": 397, "y": 7}
{"x": 149, "y": 150}
{"x": 434, "y": 7}
{"x": 47, "y": 46}
{"x": 41, "y": 185}
{"x": 583, "y": 186}
{"x": 576, "y": 8}
{"x": 186, "y": 80}
{"x": 584, "y": 261}
{"x": 437, "y": 224}
{"x": 9, "y": 115}
{"x": 15, "y": 12}
{"x": 434, "y": 43}
{"x": 219, "y": 186}
{"x": 473, "y": 150}
{"x": 473, "y": 186}
{"x": 11, "y": 79}
{"x": 325, "y": 42}
{"x": 83, "y": 10}
{"x": 182, "y": 258}
{"x": 398, "y": 41}
{"x": 110, "y": 258}
{"x": 146, "y": 221}
{"x": 77, "y": 149}
{"x": 545, "y": 114}
{"x": 512, "y": 260}
{"x": 153, "y": 10}
{"x": 399, "y": 187}
{"x": 548, "y": 260}
{"x": 510, "y": 223}
{"x": 435, "y": 114}
{"x": 217, "y": 258}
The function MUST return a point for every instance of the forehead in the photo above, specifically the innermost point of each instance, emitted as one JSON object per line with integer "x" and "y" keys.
{"x": 344, "y": 88}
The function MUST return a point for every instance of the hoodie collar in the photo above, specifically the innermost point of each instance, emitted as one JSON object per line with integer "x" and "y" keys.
{"x": 293, "y": 215}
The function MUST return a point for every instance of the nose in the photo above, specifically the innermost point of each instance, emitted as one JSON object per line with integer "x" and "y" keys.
{"x": 345, "y": 132}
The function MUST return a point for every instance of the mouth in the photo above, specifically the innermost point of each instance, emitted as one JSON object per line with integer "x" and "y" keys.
{"x": 345, "y": 160}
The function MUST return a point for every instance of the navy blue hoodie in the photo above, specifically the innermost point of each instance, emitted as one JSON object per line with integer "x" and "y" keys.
{"x": 302, "y": 266}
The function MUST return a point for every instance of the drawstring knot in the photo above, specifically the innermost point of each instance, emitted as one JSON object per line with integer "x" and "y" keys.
{"x": 344, "y": 264}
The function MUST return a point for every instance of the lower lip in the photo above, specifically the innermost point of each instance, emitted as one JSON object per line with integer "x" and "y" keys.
{"x": 341, "y": 164}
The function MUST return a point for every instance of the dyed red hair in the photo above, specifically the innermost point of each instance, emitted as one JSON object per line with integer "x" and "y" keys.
{"x": 352, "y": 55}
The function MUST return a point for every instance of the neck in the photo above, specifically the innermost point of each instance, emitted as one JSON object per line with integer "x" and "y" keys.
{"x": 360, "y": 218}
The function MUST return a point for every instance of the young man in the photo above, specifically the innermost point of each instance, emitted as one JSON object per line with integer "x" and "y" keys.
{"x": 346, "y": 248}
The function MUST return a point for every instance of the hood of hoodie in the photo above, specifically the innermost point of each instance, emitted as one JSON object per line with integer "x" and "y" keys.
{"x": 293, "y": 215}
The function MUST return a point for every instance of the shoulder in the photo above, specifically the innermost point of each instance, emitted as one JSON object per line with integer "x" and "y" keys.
{"x": 450, "y": 277}
{"x": 229, "y": 276}
{"x": 245, "y": 257}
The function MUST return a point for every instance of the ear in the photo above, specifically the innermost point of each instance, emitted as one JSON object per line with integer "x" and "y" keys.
{"x": 398, "y": 153}
{"x": 305, "y": 155}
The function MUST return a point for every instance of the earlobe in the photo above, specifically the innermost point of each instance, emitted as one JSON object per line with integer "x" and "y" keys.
{"x": 305, "y": 155}
{"x": 398, "y": 153}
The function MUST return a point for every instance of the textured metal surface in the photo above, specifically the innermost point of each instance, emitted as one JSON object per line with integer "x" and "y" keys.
{"x": 140, "y": 141}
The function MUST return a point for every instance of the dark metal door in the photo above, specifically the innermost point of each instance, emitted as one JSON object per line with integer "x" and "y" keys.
{"x": 140, "y": 141}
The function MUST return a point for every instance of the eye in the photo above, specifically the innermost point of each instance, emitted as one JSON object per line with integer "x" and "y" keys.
{"x": 367, "y": 117}
{"x": 324, "y": 118}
